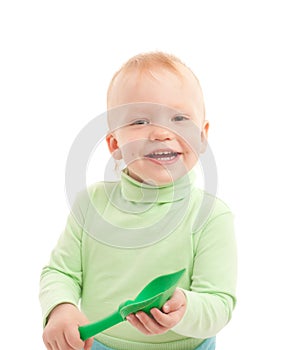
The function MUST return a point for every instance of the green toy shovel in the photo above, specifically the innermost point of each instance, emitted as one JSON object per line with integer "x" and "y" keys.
{"x": 155, "y": 294}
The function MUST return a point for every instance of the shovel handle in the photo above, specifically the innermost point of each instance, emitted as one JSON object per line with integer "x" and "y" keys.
{"x": 89, "y": 330}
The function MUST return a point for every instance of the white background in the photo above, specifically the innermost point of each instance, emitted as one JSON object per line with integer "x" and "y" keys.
{"x": 57, "y": 58}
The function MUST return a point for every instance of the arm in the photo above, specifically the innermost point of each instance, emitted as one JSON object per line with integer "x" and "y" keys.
{"x": 60, "y": 288}
{"x": 207, "y": 307}
{"x": 211, "y": 298}
{"x": 61, "y": 279}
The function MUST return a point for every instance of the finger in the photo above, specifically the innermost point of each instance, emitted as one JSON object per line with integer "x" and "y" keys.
{"x": 53, "y": 345}
{"x": 151, "y": 324}
{"x": 48, "y": 346}
{"x": 89, "y": 344}
{"x": 135, "y": 322}
{"x": 46, "y": 342}
{"x": 51, "y": 341}
{"x": 61, "y": 344}
{"x": 168, "y": 320}
{"x": 72, "y": 338}
{"x": 175, "y": 302}
{"x": 56, "y": 346}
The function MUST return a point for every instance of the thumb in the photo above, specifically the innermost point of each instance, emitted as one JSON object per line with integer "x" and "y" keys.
{"x": 175, "y": 302}
{"x": 88, "y": 344}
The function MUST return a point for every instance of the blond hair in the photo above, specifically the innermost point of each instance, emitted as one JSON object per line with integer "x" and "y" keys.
{"x": 143, "y": 62}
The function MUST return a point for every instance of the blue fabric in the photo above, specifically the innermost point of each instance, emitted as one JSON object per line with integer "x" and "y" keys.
{"x": 208, "y": 344}
{"x": 99, "y": 346}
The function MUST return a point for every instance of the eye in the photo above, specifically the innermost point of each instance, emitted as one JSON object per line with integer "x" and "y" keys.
{"x": 180, "y": 118}
{"x": 140, "y": 122}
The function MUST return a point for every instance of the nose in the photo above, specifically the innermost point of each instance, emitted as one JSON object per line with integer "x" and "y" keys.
{"x": 158, "y": 133}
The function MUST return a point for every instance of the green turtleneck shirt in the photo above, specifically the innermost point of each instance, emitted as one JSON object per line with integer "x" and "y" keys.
{"x": 121, "y": 235}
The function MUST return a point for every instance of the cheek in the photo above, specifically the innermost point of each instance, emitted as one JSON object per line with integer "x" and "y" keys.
{"x": 126, "y": 137}
{"x": 191, "y": 141}
{"x": 132, "y": 149}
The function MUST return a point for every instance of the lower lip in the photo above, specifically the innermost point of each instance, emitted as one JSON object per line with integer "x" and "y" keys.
{"x": 164, "y": 162}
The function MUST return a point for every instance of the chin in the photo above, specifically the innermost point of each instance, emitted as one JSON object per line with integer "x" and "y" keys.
{"x": 158, "y": 175}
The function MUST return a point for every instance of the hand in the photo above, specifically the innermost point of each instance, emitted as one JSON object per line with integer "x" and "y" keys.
{"x": 161, "y": 321}
{"x": 61, "y": 331}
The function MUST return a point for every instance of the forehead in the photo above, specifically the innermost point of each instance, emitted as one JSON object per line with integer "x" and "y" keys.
{"x": 177, "y": 90}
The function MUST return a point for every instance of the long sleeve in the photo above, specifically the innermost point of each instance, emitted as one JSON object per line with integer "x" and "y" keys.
{"x": 211, "y": 298}
{"x": 61, "y": 279}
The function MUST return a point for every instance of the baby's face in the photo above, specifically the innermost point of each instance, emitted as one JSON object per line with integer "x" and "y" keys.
{"x": 157, "y": 125}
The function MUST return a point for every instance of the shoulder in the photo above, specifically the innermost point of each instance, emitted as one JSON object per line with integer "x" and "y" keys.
{"x": 208, "y": 207}
{"x": 94, "y": 194}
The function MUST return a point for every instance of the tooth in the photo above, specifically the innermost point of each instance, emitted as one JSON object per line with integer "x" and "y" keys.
{"x": 162, "y": 153}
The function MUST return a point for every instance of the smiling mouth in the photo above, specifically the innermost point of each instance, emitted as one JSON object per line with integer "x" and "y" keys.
{"x": 163, "y": 156}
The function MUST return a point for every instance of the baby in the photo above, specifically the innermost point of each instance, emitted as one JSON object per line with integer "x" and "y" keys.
{"x": 120, "y": 235}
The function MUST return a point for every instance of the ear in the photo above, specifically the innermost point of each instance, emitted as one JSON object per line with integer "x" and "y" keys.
{"x": 113, "y": 147}
{"x": 204, "y": 136}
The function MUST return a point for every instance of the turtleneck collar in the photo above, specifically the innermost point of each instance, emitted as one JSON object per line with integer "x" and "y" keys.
{"x": 135, "y": 191}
